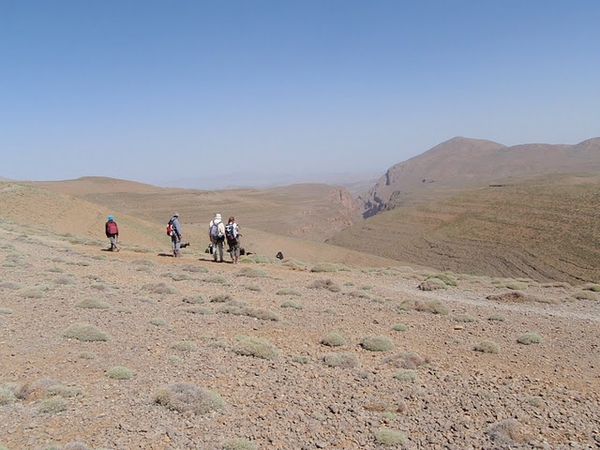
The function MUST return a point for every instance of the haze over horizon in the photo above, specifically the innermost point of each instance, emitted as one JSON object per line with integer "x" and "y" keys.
{"x": 156, "y": 92}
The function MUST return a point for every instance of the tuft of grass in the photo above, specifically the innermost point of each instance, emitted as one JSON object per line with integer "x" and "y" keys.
{"x": 66, "y": 280}
{"x": 186, "y": 397}
{"x": 300, "y": 359}
{"x": 180, "y": 277}
{"x": 252, "y": 273}
{"x": 406, "y": 375}
{"x": 198, "y": 310}
{"x": 238, "y": 444}
{"x": 184, "y": 346}
{"x": 431, "y": 306}
{"x": 410, "y": 360}
{"x": 63, "y": 391}
{"x": 194, "y": 269}
{"x": 53, "y": 405}
{"x": 7, "y": 396}
{"x": 120, "y": 373}
{"x": 399, "y": 327}
{"x": 288, "y": 291}
{"x": 218, "y": 279}
{"x": 487, "y": 347}
{"x": 359, "y": 294}
{"x": 85, "y": 332}
{"x": 585, "y": 295}
{"x": 238, "y": 308}
{"x": 516, "y": 286}
{"x": 325, "y": 284}
{"x": 92, "y": 303}
{"x": 529, "y": 338}
{"x": 221, "y": 298}
{"x": 291, "y": 304}
{"x": 5, "y": 310}
{"x": 342, "y": 360}
{"x": 324, "y": 267}
{"x": 33, "y": 293}
{"x": 255, "y": 346}
{"x": 591, "y": 287}
{"x": 389, "y": 437}
{"x": 446, "y": 278}
{"x": 464, "y": 318}
{"x": 159, "y": 288}
{"x": 497, "y": 317}
{"x": 333, "y": 340}
{"x": 432, "y": 284}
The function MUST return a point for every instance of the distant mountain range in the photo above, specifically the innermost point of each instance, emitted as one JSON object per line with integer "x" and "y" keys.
{"x": 462, "y": 162}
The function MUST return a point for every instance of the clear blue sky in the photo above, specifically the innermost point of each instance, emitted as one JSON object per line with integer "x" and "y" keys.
{"x": 153, "y": 91}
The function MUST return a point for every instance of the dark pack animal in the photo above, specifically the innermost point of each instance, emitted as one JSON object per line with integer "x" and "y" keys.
{"x": 279, "y": 255}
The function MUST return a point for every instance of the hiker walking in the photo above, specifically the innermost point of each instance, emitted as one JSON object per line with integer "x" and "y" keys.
{"x": 232, "y": 234}
{"x": 175, "y": 235}
{"x": 112, "y": 233}
{"x": 216, "y": 234}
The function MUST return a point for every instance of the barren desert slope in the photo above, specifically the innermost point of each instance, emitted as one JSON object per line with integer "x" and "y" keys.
{"x": 134, "y": 350}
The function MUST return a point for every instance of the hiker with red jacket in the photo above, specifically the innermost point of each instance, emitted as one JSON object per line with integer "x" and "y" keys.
{"x": 112, "y": 232}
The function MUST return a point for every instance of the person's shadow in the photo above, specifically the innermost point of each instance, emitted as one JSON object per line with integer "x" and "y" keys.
{"x": 166, "y": 254}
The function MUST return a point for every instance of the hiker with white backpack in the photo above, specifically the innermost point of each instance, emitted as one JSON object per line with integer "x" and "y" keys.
{"x": 216, "y": 234}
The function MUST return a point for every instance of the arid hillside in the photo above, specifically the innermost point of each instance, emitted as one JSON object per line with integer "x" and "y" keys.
{"x": 133, "y": 350}
{"x": 461, "y": 163}
{"x": 545, "y": 228}
{"x": 306, "y": 211}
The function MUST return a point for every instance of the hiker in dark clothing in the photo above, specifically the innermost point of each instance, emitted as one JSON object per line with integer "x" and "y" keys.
{"x": 112, "y": 233}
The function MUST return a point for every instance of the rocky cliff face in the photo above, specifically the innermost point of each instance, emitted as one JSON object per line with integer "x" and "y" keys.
{"x": 462, "y": 162}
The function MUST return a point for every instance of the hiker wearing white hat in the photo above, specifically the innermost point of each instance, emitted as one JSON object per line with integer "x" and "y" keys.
{"x": 216, "y": 234}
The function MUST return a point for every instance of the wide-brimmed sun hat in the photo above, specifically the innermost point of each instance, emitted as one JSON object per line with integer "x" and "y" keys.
{"x": 218, "y": 216}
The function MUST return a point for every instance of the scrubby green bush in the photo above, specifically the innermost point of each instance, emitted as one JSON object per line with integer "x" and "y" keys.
{"x": 591, "y": 287}
{"x": 7, "y": 396}
{"x": 255, "y": 346}
{"x": 446, "y": 278}
{"x": 529, "y": 338}
{"x": 85, "y": 332}
{"x": 288, "y": 291}
{"x": 333, "y": 340}
{"x": 487, "y": 347}
{"x": 198, "y": 310}
{"x": 251, "y": 272}
{"x": 399, "y": 327}
{"x": 291, "y": 304}
{"x": 389, "y": 437}
{"x": 497, "y": 317}
{"x": 159, "y": 288}
{"x": 158, "y": 321}
{"x": 406, "y": 375}
{"x": 184, "y": 346}
{"x": 585, "y": 295}
{"x": 324, "y": 267}
{"x": 185, "y": 397}
{"x": 5, "y": 311}
{"x": 120, "y": 373}
{"x": 92, "y": 303}
{"x": 464, "y": 318}
{"x": 62, "y": 390}
{"x": 432, "y": 284}
{"x": 53, "y": 404}
{"x": 377, "y": 343}
{"x": 343, "y": 360}
{"x": 516, "y": 286}
{"x": 431, "y": 306}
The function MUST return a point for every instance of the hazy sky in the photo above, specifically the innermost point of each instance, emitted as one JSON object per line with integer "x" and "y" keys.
{"x": 156, "y": 90}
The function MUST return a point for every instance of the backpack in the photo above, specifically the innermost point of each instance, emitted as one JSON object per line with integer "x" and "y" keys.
{"x": 214, "y": 231}
{"x": 231, "y": 231}
{"x": 112, "y": 227}
{"x": 170, "y": 228}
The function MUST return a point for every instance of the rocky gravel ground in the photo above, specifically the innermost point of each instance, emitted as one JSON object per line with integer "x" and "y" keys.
{"x": 132, "y": 350}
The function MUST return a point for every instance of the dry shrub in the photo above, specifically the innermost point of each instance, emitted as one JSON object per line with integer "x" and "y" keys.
{"x": 76, "y": 446}
{"x": 238, "y": 308}
{"x": 288, "y": 291}
{"x": 529, "y": 338}
{"x": 159, "y": 288}
{"x": 343, "y": 360}
{"x": 516, "y": 285}
{"x": 324, "y": 267}
{"x": 255, "y": 346}
{"x": 63, "y": 391}
{"x": 325, "y": 284}
{"x": 406, "y": 375}
{"x": 158, "y": 321}
{"x": 506, "y": 433}
{"x": 238, "y": 444}
{"x": 184, "y": 346}
{"x": 194, "y": 269}
{"x": 464, "y": 318}
{"x": 446, "y": 278}
{"x": 377, "y": 343}
{"x": 487, "y": 347}
{"x": 198, "y": 310}
{"x": 410, "y": 360}
{"x": 92, "y": 303}
{"x": 53, "y": 404}
{"x": 359, "y": 294}
{"x": 585, "y": 295}
{"x": 291, "y": 304}
{"x": 186, "y": 397}
{"x": 7, "y": 396}
{"x": 432, "y": 284}
{"x": 221, "y": 298}
{"x": 194, "y": 299}
{"x": 591, "y": 287}
{"x": 431, "y": 306}
{"x": 511, "y": 297}
{"x": 252, "y": 273}
{"x": 294, "y": 265}
{"x": 120, "y": 373}
{"x": 333, "y": 340}
{"x": 399, "y": 327}
{"x": 143, "y": 262}
{"x": 389, "y": 437}
{"x": 85, "y": 332}
{"x": 65, "y": 280}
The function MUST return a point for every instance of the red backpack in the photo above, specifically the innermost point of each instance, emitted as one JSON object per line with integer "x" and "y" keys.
{"x": 112, "y": 227}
